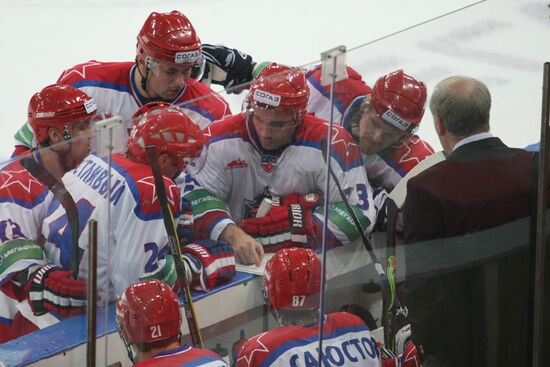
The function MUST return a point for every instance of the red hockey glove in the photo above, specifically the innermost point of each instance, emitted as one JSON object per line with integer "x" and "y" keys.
{"x": 387, "y": 357}
{"x": 284, "y": 226}
{"x": 308, "y": 201}
{"x": 211, "y": 262}
{"x": 52, "y": 289}
{"x": 410, "y": 357}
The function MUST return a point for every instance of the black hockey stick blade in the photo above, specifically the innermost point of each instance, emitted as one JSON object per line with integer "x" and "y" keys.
{"x": 67, "y": 202}
{"x": 173, "y": 240}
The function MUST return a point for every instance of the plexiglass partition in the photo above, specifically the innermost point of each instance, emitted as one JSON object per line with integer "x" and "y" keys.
{"x": 449, "y": 265}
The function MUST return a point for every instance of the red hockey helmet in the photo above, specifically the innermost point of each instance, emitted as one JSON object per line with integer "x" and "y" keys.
{"x": 399, "y": 99}
{"x": 292, "y": 280}
{"x": 170, "y": 130}
{"x": 279, "y": 86}
{"x": 170, "y": 37}
{"x": 58, "y": 106}
{"x": 147, "y": 312}
{"x": 149, "y": 107}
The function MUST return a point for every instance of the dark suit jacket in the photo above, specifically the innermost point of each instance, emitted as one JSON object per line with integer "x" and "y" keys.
{"x": 481, "y": 185}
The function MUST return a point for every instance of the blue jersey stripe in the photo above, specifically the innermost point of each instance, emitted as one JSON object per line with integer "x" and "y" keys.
{"x": 317, "y": 85}
{"x": 135, "y": 193}
{"x": 25, "y": 203}
{"x": 197, "y": 109}
{"x": 102, "y": 84}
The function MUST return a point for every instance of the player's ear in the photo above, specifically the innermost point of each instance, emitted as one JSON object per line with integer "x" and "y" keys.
{"x": 440, "y": 128}
{"x": 165, "y": 162}
{"x": 54, "y": 136}
{"x": 140, "y": 59}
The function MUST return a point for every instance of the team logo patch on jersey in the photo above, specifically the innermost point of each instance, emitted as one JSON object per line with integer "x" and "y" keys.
{"x": 269, "y": 162}
{"x": 9, "y": 230}
{"x": 236, "y": 163}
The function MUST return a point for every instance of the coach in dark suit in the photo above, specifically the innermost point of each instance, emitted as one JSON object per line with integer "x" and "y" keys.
{"x": 482, "y": 184}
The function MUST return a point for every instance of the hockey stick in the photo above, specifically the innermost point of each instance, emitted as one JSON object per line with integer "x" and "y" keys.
{"x": 174, "y": 242}
{"x": 66, "y": 200}
{"x": 388, "y": 294}
{"x": 388, "y": 316}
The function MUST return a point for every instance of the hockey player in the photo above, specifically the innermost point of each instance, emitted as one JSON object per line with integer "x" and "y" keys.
{"x": 391, "y": 150}
{"x": 291, "y": 285}
{"x": 274, "y": 150}
{"x": 383, "y": 120}
{"x": 60, "y": 116}
{"x": 213, "y": 220}
{"x": 148, "y": 319}
{"x": 167, "y": 48}
{"x": 135, "y": 244}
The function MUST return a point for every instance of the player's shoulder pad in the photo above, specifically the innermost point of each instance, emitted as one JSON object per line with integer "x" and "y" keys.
{"x": 19, "y": 186}
{"x": 344, "y": 148}
{"x": 198, "y": 96}
{"x": 93, "y": 72}
{"x": 346, "y": 319}
{"x": 346, "y": 90}
{"x": 411, "y": 152}
{"x": 141, "y": 183}
{"x": 227, "y": 128}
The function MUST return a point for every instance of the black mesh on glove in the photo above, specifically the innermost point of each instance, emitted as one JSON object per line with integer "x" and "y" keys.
{"x": 236, "y": 64}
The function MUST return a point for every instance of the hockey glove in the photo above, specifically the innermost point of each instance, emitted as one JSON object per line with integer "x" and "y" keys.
{"x": 411, "y": 356}
{"x": 52, "y": 289}
{"x": 284, "y": 226}
{"x": 235, "y": 63}
{"x": 308, "y": 201}
{"x": 211, "y": 263}
{"x": 403, "y": 327}
{"x": 387, "y": 357}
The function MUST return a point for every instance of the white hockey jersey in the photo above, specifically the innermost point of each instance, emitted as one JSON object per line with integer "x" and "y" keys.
{"x": 234, "y": 168}
{"x": 385, "y": 168}
{"x": 347, "y": 341}
{"x": 132, "y": 242}
{"x": 112, "y": 86}
{"x": 23, "y": 206}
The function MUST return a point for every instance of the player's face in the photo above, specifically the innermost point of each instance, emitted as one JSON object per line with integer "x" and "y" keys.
{"x": 166, "y": 80}
{"x": 81, "y": 140}
{"x": 374, "y": 133}
{"x": 169, "y": 166}
{"x": 275, "y": 128}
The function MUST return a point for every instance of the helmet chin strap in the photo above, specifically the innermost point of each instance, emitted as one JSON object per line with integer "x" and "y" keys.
{"x": 145, "y": 77}
{"x": 128, "y": 347}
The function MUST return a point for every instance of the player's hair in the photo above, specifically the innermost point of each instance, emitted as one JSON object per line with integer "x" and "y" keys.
{"x": 146, "y": 347}
{"x": 296, "y": 317}
{"x": 463, "y": 104}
